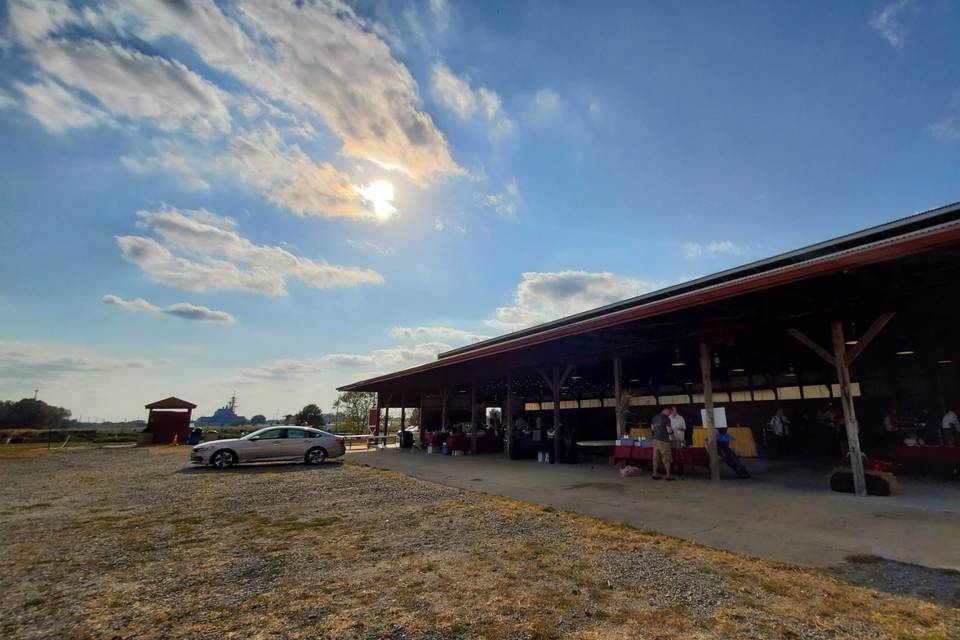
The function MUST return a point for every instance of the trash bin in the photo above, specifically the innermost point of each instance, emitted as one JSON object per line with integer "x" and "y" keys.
{"x": 406, "y": 439}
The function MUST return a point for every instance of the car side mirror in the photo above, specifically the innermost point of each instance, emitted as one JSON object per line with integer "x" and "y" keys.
{"x": 255, "y": 438}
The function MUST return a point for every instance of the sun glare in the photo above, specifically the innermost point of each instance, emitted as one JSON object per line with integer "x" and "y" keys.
{"x": 380, "y": 195}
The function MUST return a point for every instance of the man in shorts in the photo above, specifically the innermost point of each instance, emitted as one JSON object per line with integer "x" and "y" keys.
{"x": 661, "y": 443}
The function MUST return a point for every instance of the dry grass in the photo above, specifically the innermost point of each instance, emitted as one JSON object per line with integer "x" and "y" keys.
{"x": 108, "y": 548}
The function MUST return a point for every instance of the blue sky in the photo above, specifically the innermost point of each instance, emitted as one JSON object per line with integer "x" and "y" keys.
{"x": 278, "y": 198}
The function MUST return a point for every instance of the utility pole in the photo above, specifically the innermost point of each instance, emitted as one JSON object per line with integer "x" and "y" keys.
{"x": 35, "y": 392}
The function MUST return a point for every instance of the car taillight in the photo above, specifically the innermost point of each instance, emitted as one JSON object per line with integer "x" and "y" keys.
{"x": 339, "y": 439}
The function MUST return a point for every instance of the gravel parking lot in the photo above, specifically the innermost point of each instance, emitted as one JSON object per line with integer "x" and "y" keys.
{"x": 134, "y": 543}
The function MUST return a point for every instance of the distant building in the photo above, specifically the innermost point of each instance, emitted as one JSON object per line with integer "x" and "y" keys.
{"x": 225, "y": 416}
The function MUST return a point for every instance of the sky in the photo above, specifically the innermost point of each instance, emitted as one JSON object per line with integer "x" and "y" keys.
{"x": 276, "y": 198}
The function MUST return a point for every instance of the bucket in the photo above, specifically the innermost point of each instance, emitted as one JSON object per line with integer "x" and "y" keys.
{"x": 445, "y": 449}
{"x": 430, "y": 448}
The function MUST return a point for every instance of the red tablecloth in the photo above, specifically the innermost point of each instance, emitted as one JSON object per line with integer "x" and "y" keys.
{"x": 926, "y": 454}
{"x": 696, "y": 456}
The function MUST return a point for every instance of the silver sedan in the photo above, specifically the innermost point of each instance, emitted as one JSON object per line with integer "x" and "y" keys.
{"x": 272, "y": 444}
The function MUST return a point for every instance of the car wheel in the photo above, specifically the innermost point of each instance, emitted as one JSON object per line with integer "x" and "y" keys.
{"x": 223, "y": 459}
{"x": 317, "y": 455}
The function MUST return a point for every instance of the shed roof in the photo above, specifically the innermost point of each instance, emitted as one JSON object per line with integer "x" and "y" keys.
{"x": 171, "y": 403}
{"x": 900, "y": 238}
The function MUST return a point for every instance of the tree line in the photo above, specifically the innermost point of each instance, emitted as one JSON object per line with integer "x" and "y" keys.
{"x": 31, "y": 414}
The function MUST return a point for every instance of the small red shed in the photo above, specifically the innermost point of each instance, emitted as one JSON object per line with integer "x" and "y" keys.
{"x": 168, "y": 418}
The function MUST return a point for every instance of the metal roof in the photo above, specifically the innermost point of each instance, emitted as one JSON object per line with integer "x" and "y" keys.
{"x": 919, "y": 232}
{"x": 170, "y": 403}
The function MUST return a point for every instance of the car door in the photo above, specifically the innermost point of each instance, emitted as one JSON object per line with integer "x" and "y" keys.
{"x": 296, "y": 443}
{"x": 267, "y": 446}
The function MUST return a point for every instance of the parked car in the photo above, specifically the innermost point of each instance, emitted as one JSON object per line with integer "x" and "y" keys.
{"x": 271, "y": 444}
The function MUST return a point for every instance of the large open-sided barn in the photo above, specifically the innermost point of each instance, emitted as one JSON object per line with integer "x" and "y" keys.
{"x": 865, "y": 322}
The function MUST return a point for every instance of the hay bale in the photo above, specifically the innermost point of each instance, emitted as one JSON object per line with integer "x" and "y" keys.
{"x": 879, "y": 483}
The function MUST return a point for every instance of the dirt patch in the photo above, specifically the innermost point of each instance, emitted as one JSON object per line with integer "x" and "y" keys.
{"x": 135, "y": 544}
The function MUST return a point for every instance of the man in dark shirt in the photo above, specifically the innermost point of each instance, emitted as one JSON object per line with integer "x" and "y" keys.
{"x": 661, "y": 443}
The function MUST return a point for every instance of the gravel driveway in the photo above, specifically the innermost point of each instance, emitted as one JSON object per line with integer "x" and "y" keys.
{"x": 133, "y": 543}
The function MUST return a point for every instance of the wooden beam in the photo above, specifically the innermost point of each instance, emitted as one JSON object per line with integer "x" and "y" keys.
{"x": 617, "y": 388}
{"x": 557, "y": 383}
{"x": 813, "y": 346}
{"x": 508, "y": 414}
{"x": 711, "y": 426}
{"x": 473, "y": 417}
{"x": 849, "y": 414}
{"x": 403, "y": 412}
{"x": 444, "y": 395}
{"x": 868, "y": 336}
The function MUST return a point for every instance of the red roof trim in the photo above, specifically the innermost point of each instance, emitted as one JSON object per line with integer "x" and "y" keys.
{"x": 170, "y": 403}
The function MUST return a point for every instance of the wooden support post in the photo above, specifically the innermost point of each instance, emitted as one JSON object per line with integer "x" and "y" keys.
{"x": 867, "y": 337}
{"x": 708, "y": 405}
{"x": 617, "y": 391}
{"x": 423, "y": 431}
{"x": 473, "y": 417}
{"x": 508, "y": 414}
{"x": 403, "y": 414}
{"x": 556, "y": 415}
{"x": 444, "y": 395}
{"x": 376, "y": 428}
{"x": 386, "y": 419}
{"x": 849, "y": 414}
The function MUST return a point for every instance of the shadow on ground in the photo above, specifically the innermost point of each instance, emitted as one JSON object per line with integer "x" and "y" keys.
{"x": 939, "y": 586}
{"x": 264, "y": 468}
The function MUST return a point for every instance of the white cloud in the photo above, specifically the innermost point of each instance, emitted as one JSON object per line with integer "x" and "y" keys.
{"x": 56, "y": 108}
{"x": 184, "y": 310}
{"x": 888, "y": 22}
{"x": 198, "y": 256}
{"x": 439, "y": 224}
{"x": 442, "y": 224}
{"x": 442, "y": 334}
{"x": 317, "y": 61}
{"x": 541, "y": 297}
{"x": 261, "y": 159}
{"x": 457, "y": 95}
{"x": 694, "y": 250}
{"x": 140, "y": 87}
{"x": 32, "y": 361}
{"x": 454, "y": 92}
{"x": 505, "y": 202}
{"x": 547, "y": 99}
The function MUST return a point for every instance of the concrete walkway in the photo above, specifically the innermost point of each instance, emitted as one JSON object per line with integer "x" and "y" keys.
{"x": 788, "y": 516}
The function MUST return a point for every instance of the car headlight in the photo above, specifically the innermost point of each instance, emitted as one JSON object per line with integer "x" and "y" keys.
{"x": 203, "y": 447}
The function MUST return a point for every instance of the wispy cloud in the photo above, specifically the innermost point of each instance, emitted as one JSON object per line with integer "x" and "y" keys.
{"x": 198, "y": 254}
{"x": 456, "y": 94}
{"x": 441, "y": 334}
{"x": 694, "y": 250}
{"x": 370, "y": 248}
{"x": 888, "y": 22}
{"x": 505, "y": 202}
{"x": 183, "y": 310}
{"x": 254, "y": 77}
{"x": 31, "y": 361}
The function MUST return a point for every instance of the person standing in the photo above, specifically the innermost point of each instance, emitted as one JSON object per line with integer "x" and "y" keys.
{"x": 950, "y": 429}
{"x": 778, "y": 433}
{"x": 661, "y": 443}
{"x": 679, "y": 426}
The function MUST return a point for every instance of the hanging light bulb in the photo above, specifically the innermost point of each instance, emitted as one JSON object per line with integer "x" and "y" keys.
{"x": 790, "y": 372}
{"x": 716, "y": 360}
{"x": 677, "y": 362}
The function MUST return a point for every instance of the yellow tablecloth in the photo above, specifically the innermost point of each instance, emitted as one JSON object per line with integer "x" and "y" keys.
{"x": 743, "y": 444}
{"x": 640, "y": 432}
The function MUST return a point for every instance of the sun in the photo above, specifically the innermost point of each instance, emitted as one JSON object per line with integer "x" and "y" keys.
{"x": 380, "y": 195}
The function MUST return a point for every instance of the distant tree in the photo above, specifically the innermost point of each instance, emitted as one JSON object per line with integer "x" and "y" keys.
{"x": 415, "y": 416}
{"x": 311, "y": 415}
{"x": 31, "y": 414}
{"x": 354, "y": 408}
{"x": 288, "y": 418}
{"x": 258, "y": 419}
